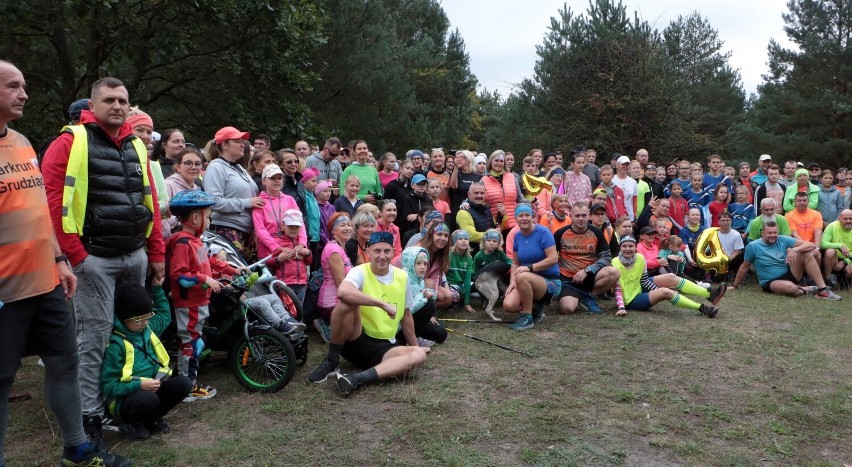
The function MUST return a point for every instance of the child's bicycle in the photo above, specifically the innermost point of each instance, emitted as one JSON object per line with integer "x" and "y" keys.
{"x": 262, "y": 359}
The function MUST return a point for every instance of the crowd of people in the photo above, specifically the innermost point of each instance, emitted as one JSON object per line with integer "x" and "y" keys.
{"x": 375, "y": 246}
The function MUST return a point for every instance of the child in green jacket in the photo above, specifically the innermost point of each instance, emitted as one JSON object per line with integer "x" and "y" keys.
{"x": 136, "y": 377}
{"x": 461, "y": 269}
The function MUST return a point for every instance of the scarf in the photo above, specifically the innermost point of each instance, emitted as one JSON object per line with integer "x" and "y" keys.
{"x": 626, "y": 262}
{"x": 497, "y": 175}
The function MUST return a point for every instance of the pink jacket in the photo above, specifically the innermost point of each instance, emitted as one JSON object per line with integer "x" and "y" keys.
{"x": 267, "y": 223}
{"x": 292, "y": 271}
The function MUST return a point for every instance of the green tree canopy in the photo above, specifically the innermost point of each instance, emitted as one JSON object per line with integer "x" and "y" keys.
{"x": 804, "y": 105}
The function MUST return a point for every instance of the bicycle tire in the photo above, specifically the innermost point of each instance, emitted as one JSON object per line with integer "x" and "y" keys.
{"x": 274, "y": 367}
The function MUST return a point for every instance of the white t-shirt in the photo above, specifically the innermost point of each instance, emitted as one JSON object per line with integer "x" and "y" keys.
{"x": 630, "y": 189}
{"x": 356, "y": 277}
{"x": 731, "y": 241}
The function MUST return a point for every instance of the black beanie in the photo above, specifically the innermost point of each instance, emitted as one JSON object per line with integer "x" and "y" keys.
{"x": 132, "y": 301}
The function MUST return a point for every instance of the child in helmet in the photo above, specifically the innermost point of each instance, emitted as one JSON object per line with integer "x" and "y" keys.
{"x": 136, "y": 378}
{"x": 189, "y": 270}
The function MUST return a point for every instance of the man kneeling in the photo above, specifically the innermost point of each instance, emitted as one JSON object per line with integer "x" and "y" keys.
{"x": 374, "y": 300}
{"x": 780, "y": 262}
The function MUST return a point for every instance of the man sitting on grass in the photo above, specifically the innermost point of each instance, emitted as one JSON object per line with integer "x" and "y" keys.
{"x": 780, "y": 262}
{"x": 374, "y": 299}
{"x": 837, "y": 242}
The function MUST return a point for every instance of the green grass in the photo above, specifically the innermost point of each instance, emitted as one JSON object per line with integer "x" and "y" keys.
{"x": 767, "y": 382}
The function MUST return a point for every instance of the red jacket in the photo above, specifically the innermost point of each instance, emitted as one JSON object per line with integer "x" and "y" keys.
{"x": 188, "y": 260}
{"x": 53, "y": 170}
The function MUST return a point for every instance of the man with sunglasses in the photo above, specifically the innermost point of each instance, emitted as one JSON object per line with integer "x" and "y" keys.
{"x": 326, "y": 163}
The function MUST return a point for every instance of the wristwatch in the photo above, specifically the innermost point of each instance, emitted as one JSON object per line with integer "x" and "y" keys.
{"x": 61, "y": 259}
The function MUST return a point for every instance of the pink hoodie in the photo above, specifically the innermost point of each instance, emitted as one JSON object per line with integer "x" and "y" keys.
{"x": 267, "y": 223}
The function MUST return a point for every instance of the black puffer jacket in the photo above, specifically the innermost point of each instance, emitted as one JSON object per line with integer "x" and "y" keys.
{"x": 116, "y": 218}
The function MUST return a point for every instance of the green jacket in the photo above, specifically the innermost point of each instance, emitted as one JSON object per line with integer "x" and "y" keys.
{"x": 790, "y": 197}
{"x": 368, "y": 175}
{"x": 114, "y": 383}
{"x": 460, "y": 273}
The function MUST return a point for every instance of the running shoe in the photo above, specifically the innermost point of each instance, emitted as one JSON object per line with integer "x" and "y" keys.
{"x": 199, "y": 393}
{"x": 158, "y": 425}
{"x": 523, "y": 323}
{"x": 344, "y": 383}
{"x": 827, "y": 294}
{"x": 708, "y": 311}
{"x": 810, "y": 289}
{"x": 538, "y": 318}
{"x": 97, "y": 459}
{"x": 324, "y": 329}
{"x": 421, "y": 342}
{"x": 134, "y": 431}
{"x": 591, "y": 305}
{"x": 323, "y": 371}
{"x": 717, "y": 293}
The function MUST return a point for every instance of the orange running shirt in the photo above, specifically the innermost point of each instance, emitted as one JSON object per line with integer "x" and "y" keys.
{"x": 27, "y": 266}
{"x": 804, "y": 223}
{"x": 577, "y": 251}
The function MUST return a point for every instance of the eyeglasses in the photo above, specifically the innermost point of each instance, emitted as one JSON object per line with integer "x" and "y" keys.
{"x": 143, "y": 318}
{"x": 192, "y": 164}
{"x": 293, "y": 161}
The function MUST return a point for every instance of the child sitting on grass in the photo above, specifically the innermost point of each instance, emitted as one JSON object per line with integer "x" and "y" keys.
{"x": 415, "y": 261}
{"x": 136, "y": 379}
{"x": 461, "y": 267}
{"x": 672, "y": 250}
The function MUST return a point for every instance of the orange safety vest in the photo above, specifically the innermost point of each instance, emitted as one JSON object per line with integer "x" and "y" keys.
{"x": 27, "y": 266}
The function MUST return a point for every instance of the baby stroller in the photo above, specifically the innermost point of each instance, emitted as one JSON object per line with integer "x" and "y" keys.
{"x": 262, "y": 358}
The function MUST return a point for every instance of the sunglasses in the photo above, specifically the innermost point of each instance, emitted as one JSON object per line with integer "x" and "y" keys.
{"x": 294, "y": 161}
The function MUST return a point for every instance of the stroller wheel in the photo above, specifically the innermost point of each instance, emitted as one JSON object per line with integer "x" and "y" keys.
{"x": 290, "y": 301}
{"x": 270, "y": 367}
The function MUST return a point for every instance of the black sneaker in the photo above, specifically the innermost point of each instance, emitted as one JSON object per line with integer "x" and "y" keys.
{"x": 93, "y": 428}
{"x": 97, "y": 459}
{"x": 344, "y": 383}
{"x": 134, "y": 431}
{"x": 708, "y": 311}
{"x": 109, "y": 424}
{"x": 158, "y": 425}
{"x": 717, "y": 293}
{"x": 323, "y": 371}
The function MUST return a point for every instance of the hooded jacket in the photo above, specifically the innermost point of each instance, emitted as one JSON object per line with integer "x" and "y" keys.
{"x": 830, "y": 204}
{"x": 267, "y": 223}
{"x": 114, "y": 383}
{"x": 416, "y": 284}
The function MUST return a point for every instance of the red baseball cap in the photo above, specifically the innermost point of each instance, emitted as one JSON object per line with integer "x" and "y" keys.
{"x": 230, "y": 132}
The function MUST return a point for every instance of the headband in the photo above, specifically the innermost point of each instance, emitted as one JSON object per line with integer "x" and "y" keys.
{"x": 339, "y": 220}
{"x": 460, "y": 234}
{"x": 442, "y": 228}
{"x": 492, "y": 235}
{"x": 380, "y": 237}
{"x": 627, "y": 238}
{"x": 523, "y": 208}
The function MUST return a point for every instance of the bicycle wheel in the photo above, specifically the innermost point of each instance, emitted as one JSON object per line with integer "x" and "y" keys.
{"x": 271, "y": 368}
{"x": 290, "y": 301}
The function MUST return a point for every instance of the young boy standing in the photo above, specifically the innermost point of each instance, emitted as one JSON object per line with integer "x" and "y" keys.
{"x": 188, "y": 272}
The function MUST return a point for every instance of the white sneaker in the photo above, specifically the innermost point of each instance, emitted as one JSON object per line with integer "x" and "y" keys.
{"x": 704, "y": 285}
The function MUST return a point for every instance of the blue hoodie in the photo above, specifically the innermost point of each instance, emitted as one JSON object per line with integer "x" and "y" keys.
{"x": 416, "y": 284}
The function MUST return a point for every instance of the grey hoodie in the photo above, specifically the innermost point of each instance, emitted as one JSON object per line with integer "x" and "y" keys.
{"x": 232, "y": 188}
{"x": 830, "y": 203}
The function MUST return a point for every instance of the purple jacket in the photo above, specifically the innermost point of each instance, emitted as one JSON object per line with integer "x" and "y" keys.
{"x": 326, "y": 211}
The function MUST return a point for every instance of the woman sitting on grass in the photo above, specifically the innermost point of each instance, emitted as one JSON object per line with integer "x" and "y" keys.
{"x": 637, "y": 291}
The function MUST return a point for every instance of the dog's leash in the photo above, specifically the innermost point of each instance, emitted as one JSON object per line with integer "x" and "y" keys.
{"x": 489, "y": 342}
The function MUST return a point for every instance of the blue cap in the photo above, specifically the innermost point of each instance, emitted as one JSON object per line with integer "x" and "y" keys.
{"x": 78, "y": 107}
{"x": 418, "y": 179}
{"x": 380, "y": 237}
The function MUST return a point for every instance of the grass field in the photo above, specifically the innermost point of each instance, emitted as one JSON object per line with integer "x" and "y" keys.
{"x": 768, "y": 382}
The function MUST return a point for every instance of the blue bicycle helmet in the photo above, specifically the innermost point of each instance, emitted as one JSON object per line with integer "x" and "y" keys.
{"x": 189, "y": 200}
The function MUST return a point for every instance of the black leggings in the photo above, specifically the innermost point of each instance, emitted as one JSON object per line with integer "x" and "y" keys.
{"x": 145, "y": 406}
{"x": 423, "y": 325}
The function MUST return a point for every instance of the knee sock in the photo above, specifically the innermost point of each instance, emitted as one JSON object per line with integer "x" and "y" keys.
{"x": 364, "y": 377}
{"x": 63, "y": 396}
{"x": 683, "y": 302}
{"x": 691, "y": 288}
{"x": 334, "y": 352}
